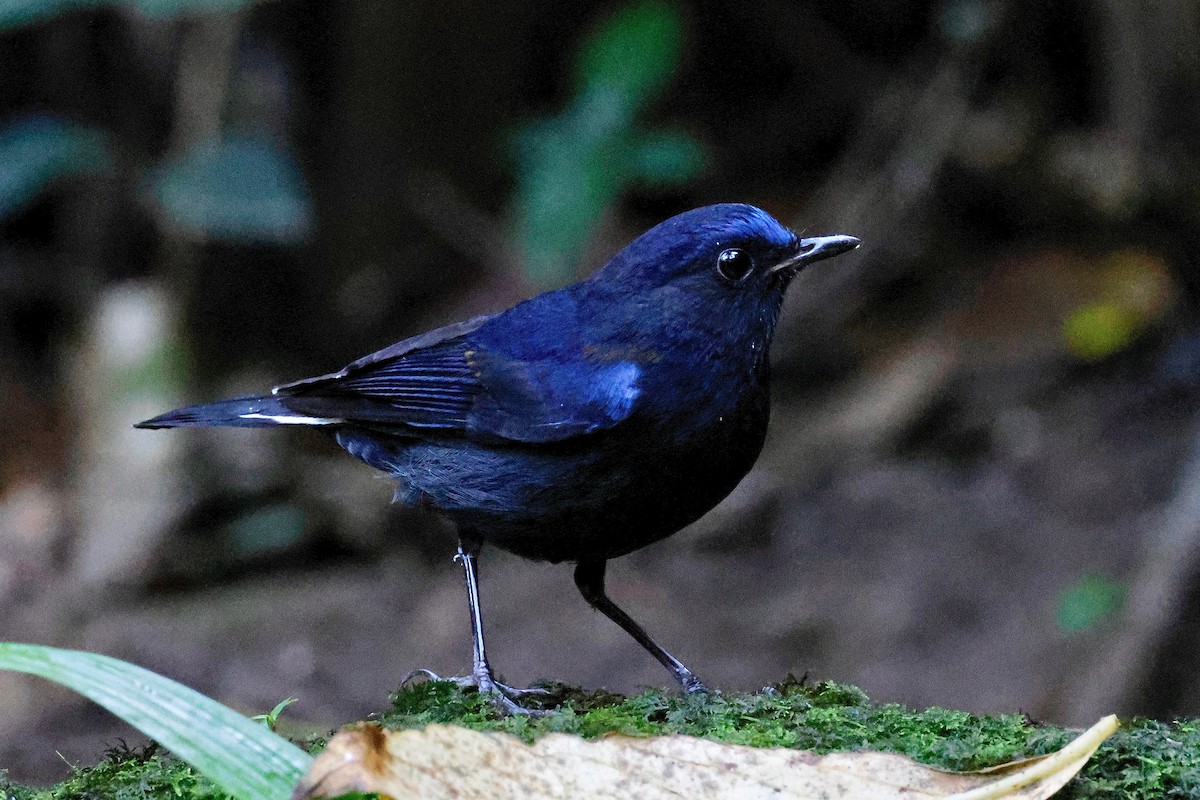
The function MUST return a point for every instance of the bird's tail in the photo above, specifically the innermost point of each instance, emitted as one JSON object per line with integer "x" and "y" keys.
{"x": 241, "y": 412}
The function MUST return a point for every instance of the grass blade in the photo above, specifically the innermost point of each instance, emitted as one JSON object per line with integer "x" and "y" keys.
{"x": 241, "y": 756}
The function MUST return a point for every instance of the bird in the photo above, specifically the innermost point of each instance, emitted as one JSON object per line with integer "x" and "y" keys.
{"x": 581, "y": 424}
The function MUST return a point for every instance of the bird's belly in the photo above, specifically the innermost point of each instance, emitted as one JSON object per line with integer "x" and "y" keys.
{"x": 597, "y": 497}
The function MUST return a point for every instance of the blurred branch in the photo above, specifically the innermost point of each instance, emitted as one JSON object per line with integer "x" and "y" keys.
{"x": 202, "y": 78}
{"x": 1123, "y": 28}
{"x": 129, "y": 491}
{"x": 880, "y": 186}
{"x": 1157, "y": 594}
{"x": 465, "y": 227}
{"x": 206, "y": 55}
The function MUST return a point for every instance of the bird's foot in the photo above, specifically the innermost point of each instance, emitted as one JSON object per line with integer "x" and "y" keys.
{"x": 504, "y": 697}
{"x": 690, "y": 683}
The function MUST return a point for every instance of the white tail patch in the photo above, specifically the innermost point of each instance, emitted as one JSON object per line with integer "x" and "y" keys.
{"x": 284, "y": 419}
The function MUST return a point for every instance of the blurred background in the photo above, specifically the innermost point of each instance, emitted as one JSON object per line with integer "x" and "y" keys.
{"x": 982, "y": 483}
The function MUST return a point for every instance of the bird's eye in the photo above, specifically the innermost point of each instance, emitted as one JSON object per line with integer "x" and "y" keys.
{"x": 734, "y": 264}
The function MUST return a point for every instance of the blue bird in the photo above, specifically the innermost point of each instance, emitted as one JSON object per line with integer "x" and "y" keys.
{"x": 581, "y": 424}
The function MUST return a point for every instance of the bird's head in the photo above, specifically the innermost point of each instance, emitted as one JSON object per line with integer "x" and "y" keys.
{"x": 727, "y": 253}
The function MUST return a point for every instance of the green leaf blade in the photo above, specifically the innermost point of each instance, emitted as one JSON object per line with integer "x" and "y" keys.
{"x": 242, "y": 757}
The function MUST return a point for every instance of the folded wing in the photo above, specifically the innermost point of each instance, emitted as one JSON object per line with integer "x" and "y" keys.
{"x": 446, "y": 383}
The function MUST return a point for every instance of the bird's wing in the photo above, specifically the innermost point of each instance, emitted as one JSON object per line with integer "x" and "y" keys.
{"x": 444, "y": 382}
{"x": 550, "y": 399}
{"x": 409, "y": 346}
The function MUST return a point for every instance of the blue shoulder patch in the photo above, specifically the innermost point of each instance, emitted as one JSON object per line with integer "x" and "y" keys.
{"x": 615, "y": 388}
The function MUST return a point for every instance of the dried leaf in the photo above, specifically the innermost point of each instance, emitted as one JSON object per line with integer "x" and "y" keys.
{"x": 445, "y": 761}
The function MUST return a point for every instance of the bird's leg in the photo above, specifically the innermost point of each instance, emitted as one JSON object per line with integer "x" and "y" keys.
{"x": 589, "y": 577}
{"x": 466, "y": 556}
{"x": 481, "y": 675}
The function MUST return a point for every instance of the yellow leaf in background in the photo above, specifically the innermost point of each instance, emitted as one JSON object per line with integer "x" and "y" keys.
{"x": 1095, "y": 331}
{"x": 1135, "y": 290}
{"x": 445, "y": 761}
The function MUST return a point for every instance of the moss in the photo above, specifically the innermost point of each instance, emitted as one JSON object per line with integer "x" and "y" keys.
{"x": 125, "y": 774}
{"x": 9, "y": 791}
{"x": 1143, "y": 759}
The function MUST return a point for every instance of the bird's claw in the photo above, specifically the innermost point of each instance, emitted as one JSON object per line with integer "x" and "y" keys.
{"x": 689, "y": 682}
{"x": 514, "y": 692}
{"x": 427, "y": 674}
{"x": 504, "y": 697}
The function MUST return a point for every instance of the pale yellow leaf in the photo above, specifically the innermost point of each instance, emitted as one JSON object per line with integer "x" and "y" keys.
{"x": 443, "y": 761}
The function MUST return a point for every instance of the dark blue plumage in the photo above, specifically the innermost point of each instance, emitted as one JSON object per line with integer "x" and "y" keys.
{"x": 583, "y": 423}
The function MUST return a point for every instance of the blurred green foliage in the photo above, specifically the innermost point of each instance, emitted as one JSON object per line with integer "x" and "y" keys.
{"x": 1089, "y": 602}
{"x": 239, "y": 187}
{"x": 571, "y": 168}
{"x": 635, "y": 53}
{"x": 965, "y": 21}
{"x": 235, "y": 188}
{"x": 270, "y": 529}
{"x": 36, "y": 151}
{"x": 14, "y": 13}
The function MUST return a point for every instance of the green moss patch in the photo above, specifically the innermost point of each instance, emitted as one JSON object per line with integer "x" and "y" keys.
{"x": 1144, "y": 759}
{"x": 125, "y": 774}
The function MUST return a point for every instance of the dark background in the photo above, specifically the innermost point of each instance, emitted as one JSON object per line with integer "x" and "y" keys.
{"x": 982, "y": 483}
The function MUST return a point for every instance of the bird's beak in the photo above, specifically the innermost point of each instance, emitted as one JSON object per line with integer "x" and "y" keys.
{"x": 817, "y": 248}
